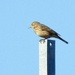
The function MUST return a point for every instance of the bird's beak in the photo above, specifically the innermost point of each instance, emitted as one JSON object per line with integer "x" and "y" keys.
{"x": 30, "y": 26}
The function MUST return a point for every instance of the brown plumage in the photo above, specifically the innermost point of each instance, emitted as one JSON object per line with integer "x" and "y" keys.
{"x": 44, "y": 31}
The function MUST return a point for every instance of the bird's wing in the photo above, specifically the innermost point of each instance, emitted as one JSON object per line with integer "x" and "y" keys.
{"x": 46, "y": 28}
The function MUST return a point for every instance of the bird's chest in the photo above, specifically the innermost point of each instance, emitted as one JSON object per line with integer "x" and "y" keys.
{"x": 42, "y": 33}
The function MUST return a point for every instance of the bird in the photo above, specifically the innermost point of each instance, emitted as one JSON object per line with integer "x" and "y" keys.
{"x": 45, "y": 31}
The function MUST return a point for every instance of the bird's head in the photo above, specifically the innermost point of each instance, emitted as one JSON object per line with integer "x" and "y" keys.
{"x": 34, "y": 24}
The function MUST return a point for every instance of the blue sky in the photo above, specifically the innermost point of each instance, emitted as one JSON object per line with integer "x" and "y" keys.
{"x": 19, "y": 52}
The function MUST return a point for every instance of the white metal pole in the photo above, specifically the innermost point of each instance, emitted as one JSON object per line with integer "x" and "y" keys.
{"x": 47, "y": 57}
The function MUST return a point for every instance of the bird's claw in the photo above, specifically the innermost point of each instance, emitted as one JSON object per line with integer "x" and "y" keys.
{"x": 42, "y": 41}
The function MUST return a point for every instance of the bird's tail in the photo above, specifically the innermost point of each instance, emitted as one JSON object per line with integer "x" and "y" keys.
{"x": 62, "y": 39}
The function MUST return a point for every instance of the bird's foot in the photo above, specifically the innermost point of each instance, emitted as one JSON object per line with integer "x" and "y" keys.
{"x": 42, "y": 41}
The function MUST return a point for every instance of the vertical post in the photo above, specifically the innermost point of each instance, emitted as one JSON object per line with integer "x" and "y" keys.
{"x": 47, "y": 57}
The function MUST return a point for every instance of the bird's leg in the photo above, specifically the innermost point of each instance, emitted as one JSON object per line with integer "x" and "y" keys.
{"x": 42, "y": 41}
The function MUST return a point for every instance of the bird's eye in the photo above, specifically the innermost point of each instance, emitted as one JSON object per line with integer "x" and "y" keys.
{"x": 32, "y": 24}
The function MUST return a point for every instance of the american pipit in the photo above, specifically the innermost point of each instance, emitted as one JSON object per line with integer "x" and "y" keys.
{"x": 44, "y": 31}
